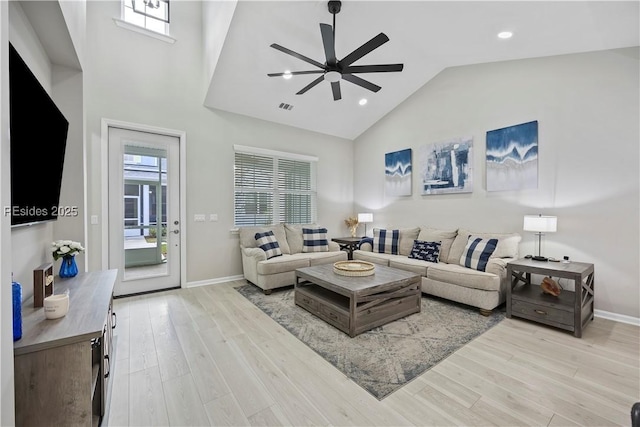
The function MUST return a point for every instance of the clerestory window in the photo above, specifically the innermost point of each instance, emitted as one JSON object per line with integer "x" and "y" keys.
{"x": 152, "y": 15}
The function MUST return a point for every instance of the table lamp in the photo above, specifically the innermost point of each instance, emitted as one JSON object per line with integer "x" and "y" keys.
{"x": 540, "y": 224}
{"x": 365, "y": 218}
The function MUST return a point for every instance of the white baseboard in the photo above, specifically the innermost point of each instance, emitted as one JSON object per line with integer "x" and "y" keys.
{"x": 617, "y": 317}
{"x": 214, "y": 281}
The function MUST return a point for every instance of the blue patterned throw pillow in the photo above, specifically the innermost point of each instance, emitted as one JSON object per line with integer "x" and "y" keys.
{"x": 268, "y": 243}
{"x": 477, "y": 252}
{"x": 386, "y": 241}
{"x": 314, "y": 240}
{"x": 425, "y": 251}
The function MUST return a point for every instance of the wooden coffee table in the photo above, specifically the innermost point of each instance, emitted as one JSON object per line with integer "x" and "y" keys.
{"x": 357, "y": 304}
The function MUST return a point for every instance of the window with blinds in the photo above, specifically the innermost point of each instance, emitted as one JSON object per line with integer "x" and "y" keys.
{"x": 273, "y": 187}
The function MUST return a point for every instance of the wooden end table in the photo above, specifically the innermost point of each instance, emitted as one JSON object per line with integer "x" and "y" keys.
{"x": 570, "y": 310}
{"x": 348, "y": 244}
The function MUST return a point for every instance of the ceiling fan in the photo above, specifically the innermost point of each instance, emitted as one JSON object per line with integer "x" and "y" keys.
{"x": 334, "y": 70}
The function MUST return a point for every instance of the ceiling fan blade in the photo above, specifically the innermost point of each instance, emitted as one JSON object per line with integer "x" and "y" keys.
{"x": 295, "y": 73}
{"x": 361, "y": 82}
{"x": 329, "y": 46}
{"x": 310, "y": 85}
{"x": 297, "y": 55}
{"x": 386, "y": 68}
{"x": 372, "y": 44}
{"x": 335, "y": 88}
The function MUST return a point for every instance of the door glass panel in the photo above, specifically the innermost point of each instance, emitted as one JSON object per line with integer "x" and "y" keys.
{"x": 145, "y": 212}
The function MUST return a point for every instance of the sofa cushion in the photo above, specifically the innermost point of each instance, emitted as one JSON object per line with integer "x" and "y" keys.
{"x": 462, "y": 276}
{"x": 319, "y": 258}
{"x": 407, "y": 236}
{"x": 386, "y": 241}
{"x": 507, "y": 244}
{"x": 268, "y": 243}
{"x": 283, "y": 264}
{"x": 410, "y": 264}
{"x": 314, "y": 240}
{"x": 248, "y": 240}
{"x": 294, "y": 236}
{"x": 445, "y": 237}
{"x": 425, "y": 251}
{"x": 374, "y": 257}
{"x": 477, "y": 252}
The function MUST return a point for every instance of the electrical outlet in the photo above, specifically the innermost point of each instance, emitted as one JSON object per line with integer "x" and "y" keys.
{"x": 94, "y": 219}
{"x": 198, "y": 217}
{"x": 213, "y": 217}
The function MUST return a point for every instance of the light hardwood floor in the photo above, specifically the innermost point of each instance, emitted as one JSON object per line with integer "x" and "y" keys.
{"x": 207, "y": 356}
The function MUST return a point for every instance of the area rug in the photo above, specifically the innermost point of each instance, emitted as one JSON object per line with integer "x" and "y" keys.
{"x": 385, "y": 358}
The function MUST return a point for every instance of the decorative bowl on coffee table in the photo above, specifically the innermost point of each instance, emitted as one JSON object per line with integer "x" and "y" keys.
{"x": 354, "y": 268}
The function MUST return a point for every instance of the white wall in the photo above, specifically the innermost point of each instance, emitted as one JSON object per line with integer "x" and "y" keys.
{"x": 587, "y": 107}
{"x": 216, "y": 19}
{"x": 7, "y": 412}
{"x": 140, "y": 79}
{"x": 68, "y": 94}
{"x": 75, "y": 17}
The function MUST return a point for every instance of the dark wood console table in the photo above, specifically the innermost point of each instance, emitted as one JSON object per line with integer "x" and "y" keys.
{"x": 62, "y": 365}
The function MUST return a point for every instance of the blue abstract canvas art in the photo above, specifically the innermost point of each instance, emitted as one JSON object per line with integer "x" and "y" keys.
{"x": 512, "y": 157}
{"x": 397, "y": 173}
{"x": 447, "y": 167}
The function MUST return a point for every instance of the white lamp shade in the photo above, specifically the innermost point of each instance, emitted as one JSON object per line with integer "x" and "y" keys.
{"x": 365, "y": 217}
{"x": 540, "y": 223}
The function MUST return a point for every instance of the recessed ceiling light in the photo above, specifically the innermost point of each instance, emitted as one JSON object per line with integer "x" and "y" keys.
{"x": 363, "y": 101}
{"x": 287, "y": 75}
{"x": 505, "y": 35}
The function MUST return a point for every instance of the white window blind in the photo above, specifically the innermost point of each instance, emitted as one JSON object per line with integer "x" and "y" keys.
{"x": 273, "y": 187}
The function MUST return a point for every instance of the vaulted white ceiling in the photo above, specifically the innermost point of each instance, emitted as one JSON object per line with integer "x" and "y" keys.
{"x": 426, "y": 36}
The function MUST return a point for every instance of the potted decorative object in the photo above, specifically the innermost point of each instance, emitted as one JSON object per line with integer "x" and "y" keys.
{"x": 352, "y": 223}
{"x": 67, "y": 250}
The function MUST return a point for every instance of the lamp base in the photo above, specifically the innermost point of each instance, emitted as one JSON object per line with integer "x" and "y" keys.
{"x": 539, "y": 258}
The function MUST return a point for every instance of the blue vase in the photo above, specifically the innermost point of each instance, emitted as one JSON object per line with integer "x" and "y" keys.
{"x": 16, "y": 291}
{"x": 68, "y": 268}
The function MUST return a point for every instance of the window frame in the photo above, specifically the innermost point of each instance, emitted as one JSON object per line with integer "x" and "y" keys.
{"x": 274, "y": 191}
{"x": 133, "y": 26}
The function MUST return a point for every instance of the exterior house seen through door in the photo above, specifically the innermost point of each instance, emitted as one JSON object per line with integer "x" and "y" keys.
{"x": 144, "y": 210}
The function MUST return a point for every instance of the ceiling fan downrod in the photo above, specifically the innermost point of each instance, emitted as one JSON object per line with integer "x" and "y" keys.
{"x": 334, "y": 7}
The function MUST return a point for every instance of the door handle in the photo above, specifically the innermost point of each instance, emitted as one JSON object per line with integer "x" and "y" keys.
{"x": 175, "y": 231}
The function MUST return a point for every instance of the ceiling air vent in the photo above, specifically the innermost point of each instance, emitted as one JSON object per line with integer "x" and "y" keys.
{"x": 284, "y": 106}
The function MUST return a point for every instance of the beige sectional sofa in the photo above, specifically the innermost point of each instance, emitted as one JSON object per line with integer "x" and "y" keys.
{"x": 449, "y": 278}
{"x": 279, "y": 271}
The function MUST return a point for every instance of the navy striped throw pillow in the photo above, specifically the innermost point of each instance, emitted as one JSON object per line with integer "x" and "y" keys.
{"x": 314, "y": 240}
{"x": 386, "y": 241}
{"x": 477, "y": 252}
{"x": 268, "y": 243}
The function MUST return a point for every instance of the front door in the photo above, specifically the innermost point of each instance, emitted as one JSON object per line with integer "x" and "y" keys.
{"x": 144, "y": 210}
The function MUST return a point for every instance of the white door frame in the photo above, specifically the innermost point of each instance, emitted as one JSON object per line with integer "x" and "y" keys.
{"x": 104, "y": 153}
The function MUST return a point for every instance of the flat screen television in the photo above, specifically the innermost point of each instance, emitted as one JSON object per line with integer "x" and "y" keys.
{"x": 38, "y": 135}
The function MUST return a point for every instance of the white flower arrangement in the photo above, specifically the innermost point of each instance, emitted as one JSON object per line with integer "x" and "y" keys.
{"x": 63, "y": 248}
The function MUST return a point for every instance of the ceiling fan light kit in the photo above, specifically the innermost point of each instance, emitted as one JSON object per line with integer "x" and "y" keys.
{"x": 334, "y": 70}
